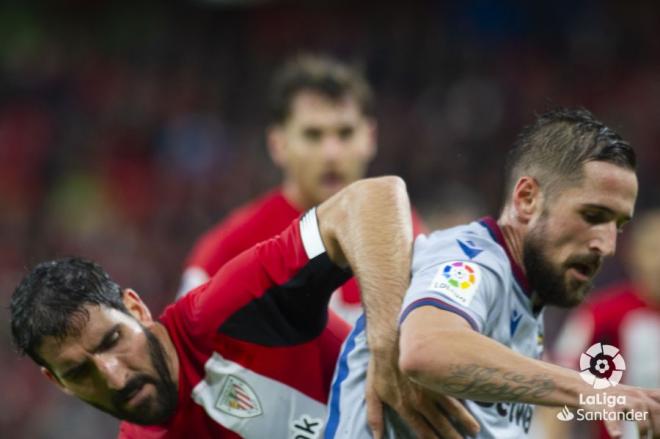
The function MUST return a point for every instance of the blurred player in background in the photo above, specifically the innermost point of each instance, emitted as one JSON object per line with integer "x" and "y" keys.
{"x": 322, "y": 135}
{"x": 471, "y": 324}
{"x": 626, "y": 315}
{"x": 250, "y": 353}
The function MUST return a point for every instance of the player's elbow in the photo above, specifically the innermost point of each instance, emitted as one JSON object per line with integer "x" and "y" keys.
{"x": 391, "y": 182}
{"x": 374, "y": 200}
{"x": 379, "y": 196}
{"x": 390, "y": 185}
{"x": 384, "y": 191}
{"x": 366, "y": 211}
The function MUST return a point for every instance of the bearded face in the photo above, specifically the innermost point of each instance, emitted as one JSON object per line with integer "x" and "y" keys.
{"x": 116, "y": 364}
{"x": 151, "y": 409}
{"x": 576, "y": 229}
{"x": 562, "y": 283}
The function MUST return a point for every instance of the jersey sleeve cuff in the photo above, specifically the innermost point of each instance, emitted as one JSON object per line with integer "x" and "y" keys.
{"x": 447, "y": 306}
{"x": 311, "y": 235}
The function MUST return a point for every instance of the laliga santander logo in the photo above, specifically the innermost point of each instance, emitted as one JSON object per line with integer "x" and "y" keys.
{"x": 602, "y": 366}
{"x": 459, "y": 275}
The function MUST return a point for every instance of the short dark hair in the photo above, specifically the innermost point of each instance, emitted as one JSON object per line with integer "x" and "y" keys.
{"x": 556, "y": 146}
{"x": 49, "y": 302}
{"x": 321, "y": 74}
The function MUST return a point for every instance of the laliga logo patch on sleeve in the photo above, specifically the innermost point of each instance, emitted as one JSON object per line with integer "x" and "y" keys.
{"x": 458, "y": 280}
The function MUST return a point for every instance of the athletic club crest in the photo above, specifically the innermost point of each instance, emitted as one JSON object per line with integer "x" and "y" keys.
{"x": 238, "y": 399}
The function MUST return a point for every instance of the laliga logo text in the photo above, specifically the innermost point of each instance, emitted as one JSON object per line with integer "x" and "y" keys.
{"x": 601, "y": 366}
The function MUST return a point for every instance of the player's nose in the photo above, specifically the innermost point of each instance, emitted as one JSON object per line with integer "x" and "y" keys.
{"x": 331, "y": 146}
{"x": 604, "y": 242}
{"x": 112, "y": 370}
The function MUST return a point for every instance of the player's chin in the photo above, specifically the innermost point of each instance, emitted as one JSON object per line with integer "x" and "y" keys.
{"x": 566, "y": 296}
{"x": 326, "y": 189}
{"x": 332, "y": 182}
{"x": 576, "y": 291}
{"x": 148, "y": 412}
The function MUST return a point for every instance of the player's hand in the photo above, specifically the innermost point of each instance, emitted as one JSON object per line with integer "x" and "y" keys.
{"x": 428, "y": 414}
{"x": 639, "y": 401}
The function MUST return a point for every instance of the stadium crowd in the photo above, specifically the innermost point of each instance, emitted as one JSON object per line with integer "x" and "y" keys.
{"x": 127, "y": 131}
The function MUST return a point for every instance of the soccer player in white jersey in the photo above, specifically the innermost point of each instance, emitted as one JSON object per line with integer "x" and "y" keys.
{"x": 471, "y": 323}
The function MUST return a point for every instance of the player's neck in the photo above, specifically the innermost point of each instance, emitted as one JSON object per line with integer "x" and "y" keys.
{"x": 513, "y": 237}
{"x": 294, "y": 195}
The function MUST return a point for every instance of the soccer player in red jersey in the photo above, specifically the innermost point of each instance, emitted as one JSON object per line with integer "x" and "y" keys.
{"x": 625, "y": 315}
{"x": 322, "y": 135}
{"x": 244, "y": 355}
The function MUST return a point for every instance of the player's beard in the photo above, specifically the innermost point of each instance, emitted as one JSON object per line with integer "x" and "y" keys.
{"x": 547, "y": 280}
{"x": 153, "y": 410}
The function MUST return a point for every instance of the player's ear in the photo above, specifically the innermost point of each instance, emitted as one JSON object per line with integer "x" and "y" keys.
{"x": 53, "y": 379}
{"x": 276, "y": 140}
{"x": 527, "y": 198}
{"x": 136, "y": 306}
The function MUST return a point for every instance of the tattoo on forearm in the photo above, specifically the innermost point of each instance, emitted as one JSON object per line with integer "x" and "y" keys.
{"x": 489, "y": 384}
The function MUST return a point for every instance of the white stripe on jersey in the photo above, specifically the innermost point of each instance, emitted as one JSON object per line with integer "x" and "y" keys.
{"x": 311, "y": 235}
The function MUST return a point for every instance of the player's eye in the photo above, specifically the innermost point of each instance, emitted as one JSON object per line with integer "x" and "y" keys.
{"x": 77, "y": 372}
{"x": 312, "y": 134}
{"x": 110, "y": 340}
{"x": 595, "y": 217}
{"x": 345, "y": 133}
{"x": 113, "y": 339}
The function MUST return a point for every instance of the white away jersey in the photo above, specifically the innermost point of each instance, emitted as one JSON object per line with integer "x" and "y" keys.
{"x": 466, "y": 270}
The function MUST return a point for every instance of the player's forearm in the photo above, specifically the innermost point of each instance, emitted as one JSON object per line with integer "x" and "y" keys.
{"x": 496, "y": 380}
{"x": 370, "y": 223}
{"x": 465, "y": 364}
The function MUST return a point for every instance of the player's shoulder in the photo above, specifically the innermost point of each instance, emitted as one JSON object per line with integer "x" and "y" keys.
{"x": 469, "y": 242}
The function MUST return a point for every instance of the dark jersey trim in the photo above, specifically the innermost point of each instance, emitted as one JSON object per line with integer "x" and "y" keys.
{"x": 293, "y": 313}
{"x": 430, "y": 301}
{"x": 496, "y": 233}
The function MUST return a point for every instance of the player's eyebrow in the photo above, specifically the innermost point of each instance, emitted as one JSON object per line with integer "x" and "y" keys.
{"x": 104, "y": 343}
